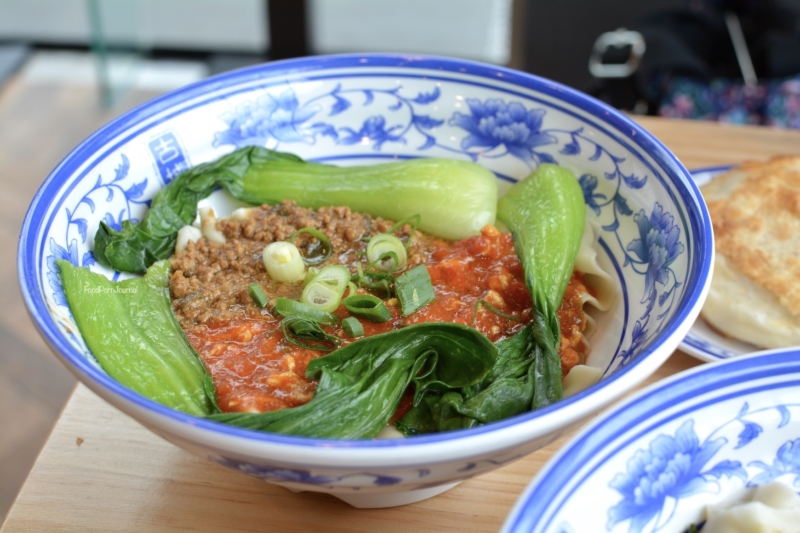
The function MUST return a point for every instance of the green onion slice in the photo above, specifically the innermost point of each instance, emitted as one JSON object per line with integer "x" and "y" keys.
{"x": 258, "y": 295}
{"x": 413, "y": 220}
{"x": 352, "y": 327}
{"x": 334, "y": 275}
{"x": 283, "y": 262}
{"x": 414, "y": 289}
{"x": 320, "y": 251}
{"x": 491, "y": 308}
{"x": 287, "y": 308}
{"x": 373, "y": 281}
{"x": 386, "y": 253}
{"x": 352, "y": 290}
{"x": 368, "y": 306}
{"x": 308, "y": 334}
{"x": 321, "y": 296}
{"x": 310, "y": 273}
{"x": 326, "y": 288}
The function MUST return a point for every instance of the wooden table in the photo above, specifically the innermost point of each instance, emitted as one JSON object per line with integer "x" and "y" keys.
{"x": 101, "y": 471}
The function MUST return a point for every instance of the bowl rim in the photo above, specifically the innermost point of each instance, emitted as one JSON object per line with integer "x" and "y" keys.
{"x": 635, "y": 410}
{"x": 610, "y": 121}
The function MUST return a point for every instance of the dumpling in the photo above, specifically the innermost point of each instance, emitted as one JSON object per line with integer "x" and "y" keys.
{"x": 755, "y": 288}
{"x": 774, "y": 508}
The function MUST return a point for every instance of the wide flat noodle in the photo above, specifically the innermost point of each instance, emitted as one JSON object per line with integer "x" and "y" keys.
{"x": 755, "y": 211}
{"x": 600, "y": 281}
{"x": 580, "y": 377}
{"x": 603, "y": 291}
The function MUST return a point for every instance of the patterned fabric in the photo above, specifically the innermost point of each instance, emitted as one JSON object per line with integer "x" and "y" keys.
{"x": 773, "y": 103}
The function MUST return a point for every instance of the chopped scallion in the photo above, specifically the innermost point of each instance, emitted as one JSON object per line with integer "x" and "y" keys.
{"x": 414, "y": 289}
{"x": 352, "y": 290}
{"x": 352, "y": 327}
{"x": 373, "y": 281}
{"x": 316, "y": 256}
{"x": 387, "y": 253}
{"x": 491, "y": 308}
{"x": 283, "y": 262}
{"x": 334, "y": 275}
{"x": 258, "y": 295}
{"x": 321, "y": 296}
{"x": 413, "y": 220}
{"x": 324, "y": 291}
{"x": 368, "y": 306}
{"x": 310, "y": 273}
{"x": 287, "y": 308}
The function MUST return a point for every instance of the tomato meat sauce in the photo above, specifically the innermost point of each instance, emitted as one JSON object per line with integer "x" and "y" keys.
{"x": 255, "y": 369}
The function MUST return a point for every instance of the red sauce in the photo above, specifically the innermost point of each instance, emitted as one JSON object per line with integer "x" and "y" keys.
{"x": 256, "y": 369}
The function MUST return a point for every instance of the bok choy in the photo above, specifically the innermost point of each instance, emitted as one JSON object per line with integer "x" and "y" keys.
{"x": 455, "y": 199}
{"x": 545, "y": 214}
{"x": 360, "y": 385}
{"x": 133, "y": 333}
{"x": 130, "y": 328}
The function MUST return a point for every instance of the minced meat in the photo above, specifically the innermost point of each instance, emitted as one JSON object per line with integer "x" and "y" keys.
{"x": 209, "y": 280}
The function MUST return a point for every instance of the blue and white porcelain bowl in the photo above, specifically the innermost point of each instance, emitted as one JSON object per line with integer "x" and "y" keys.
{"x": 654, "y": 462}
{"x": 359, "y": 109}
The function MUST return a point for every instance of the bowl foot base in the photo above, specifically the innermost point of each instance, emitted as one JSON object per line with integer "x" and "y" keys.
{"x": 377, "y": 500}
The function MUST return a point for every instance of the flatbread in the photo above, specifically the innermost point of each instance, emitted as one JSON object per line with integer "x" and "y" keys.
{"x": 755, "y": 290}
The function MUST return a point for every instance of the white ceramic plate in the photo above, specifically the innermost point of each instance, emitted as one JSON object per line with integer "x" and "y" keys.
{"x": 703, "y": 342}
{"x": 654, "y": 462}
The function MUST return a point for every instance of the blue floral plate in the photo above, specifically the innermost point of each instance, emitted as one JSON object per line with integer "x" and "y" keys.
{"x": 655, "y": 461}
{"x": 702, "y": 341}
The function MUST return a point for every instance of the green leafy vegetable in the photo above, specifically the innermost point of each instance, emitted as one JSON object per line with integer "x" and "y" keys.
{"x": 308, "y": 334}
{"x": 460, "y": 378}
{"x": 361, "y": 384}
{"x": 506, "y": 390}
{"x": 137, "y": 246}
{"x": 454, "y": 198}
{"x": 130, "y": 328}
{"x": 545, "y": 213}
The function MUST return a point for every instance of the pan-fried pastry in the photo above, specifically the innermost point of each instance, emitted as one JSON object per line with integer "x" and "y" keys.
{"x": 755, "y": 289}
